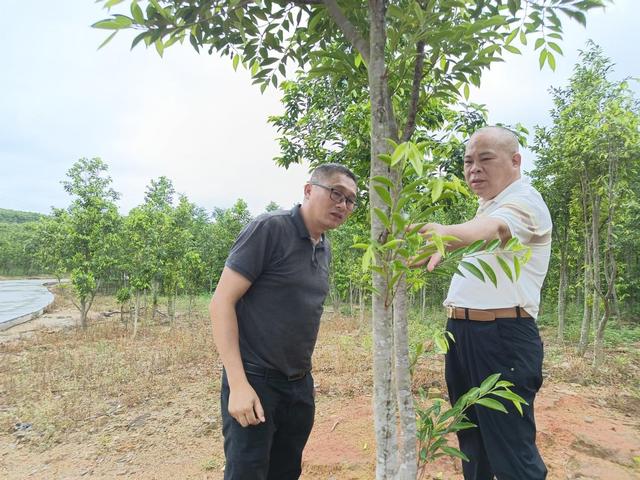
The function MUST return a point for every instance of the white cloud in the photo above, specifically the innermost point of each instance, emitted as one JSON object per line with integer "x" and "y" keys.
{"x": 191, "y": 117}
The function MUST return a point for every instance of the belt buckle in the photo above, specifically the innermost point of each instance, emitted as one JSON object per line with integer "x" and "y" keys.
{"x": 451, "y": 312}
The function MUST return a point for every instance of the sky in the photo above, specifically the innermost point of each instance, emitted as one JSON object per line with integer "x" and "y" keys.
{"x": 192, "y": 118}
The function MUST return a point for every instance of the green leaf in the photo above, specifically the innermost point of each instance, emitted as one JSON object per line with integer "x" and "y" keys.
{"x": 466, "y": 91}
{"x": 504, "y": 384}
{"x": 137, "y": 14}
{"x": 436, "y": 189}
{"x": 384, "y": 194}
{"x": 399, "y": 153}
{"x": 509, "y": 395}
{"x": 462, "y": 426}
{"x": 382, "y": 216}
{"x": 516, "y": 267}
{"x": 511, "y": 36}
{"x": 117, "y": 23}
{"x": 489, "y": 382}
{"x": 399, "y": 221}
{"x": 513, "y": 6}
{"x": 108, "y": 39}
{"x": 555, "y": 47}
{"x": 235, "y": 61}
{"x": 492, "y": 245}
{"x": 543, "y": 57}
{"x": 505, "y": 268}
{"x": 437, "y": 241}
{"x": 415, "y": 157}
{"x": 383, "y": 180}
{"x": 159, "y": 46}
{"x": 385, "y": 158}
{"x": 489, "y": 272}
{"x": 454, "y": 452}
{"x": 474, "y": 247}
{"x": 539, "y": 43}
{"x": 393, "y": 243}
{"x": 551, "y": 60}
{"x": 473, "y": 269}
{"x": 368, "y": 258}
{"x": 523, "y": 37}
{"x": 492, "y": 404}
{"x": 111, "y": 3}
{"x": 442, "y": 344}
{"x": 512, "y": 49}
{"x": 512, "y": 242}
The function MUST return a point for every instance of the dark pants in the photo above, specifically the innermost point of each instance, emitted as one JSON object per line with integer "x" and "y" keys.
{"x": 270, "y": 450}
{"x": 503, "y": 445}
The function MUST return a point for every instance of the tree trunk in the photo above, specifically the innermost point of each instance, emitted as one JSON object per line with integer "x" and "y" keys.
{"x": 595, "y": 257}
{"x": 616, "y": 304}
{"x": 588, "y": 278}
{"x": 84, "y": 309}
{"x": 350, "y": 298}
{"x": 408, "y": 431}
{"x": 136, "y": 313}
{"x": 171, "y": 307}
{"x": 562, "y": 288}
{"x": 384, "y": 406}
{"x": 610, "y": 267}
{"x": 155, "y": 289}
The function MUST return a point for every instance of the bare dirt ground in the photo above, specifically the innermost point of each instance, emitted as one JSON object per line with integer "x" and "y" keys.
{"x": 99, "y": 404}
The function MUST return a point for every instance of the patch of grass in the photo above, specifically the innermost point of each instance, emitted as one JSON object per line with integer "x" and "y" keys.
{"x": 62, "y": 382}
{"x": 212, "y": 463}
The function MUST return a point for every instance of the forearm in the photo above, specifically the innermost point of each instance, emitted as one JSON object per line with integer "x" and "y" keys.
{"x": 476, "y": 229}
{"x": 226, "y": 339}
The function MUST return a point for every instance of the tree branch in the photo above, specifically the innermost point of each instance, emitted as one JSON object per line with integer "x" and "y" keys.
{"x": 348, "y": 29}
{"x": 415, "y": 92}
{"x": 307, "y": 2}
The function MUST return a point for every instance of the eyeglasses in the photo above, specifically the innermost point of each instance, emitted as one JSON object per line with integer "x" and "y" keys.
{"x": 337, "y": 196}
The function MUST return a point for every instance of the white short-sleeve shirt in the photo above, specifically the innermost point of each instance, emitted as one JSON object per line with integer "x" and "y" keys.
{"x": 522, "y": 208}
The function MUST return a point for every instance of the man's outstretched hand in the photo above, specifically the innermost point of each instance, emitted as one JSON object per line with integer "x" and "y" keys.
{"x": 432, "y": 262}
{"x": 427, "y": 231}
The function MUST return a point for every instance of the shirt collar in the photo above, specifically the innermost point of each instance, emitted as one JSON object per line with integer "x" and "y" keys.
{"x": 301, "y": 228}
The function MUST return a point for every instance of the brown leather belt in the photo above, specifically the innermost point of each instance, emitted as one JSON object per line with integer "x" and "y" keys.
{"x": 460, "y": 313}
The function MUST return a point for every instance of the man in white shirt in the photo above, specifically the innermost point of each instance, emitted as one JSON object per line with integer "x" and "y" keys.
{"x": 494, "y": 328}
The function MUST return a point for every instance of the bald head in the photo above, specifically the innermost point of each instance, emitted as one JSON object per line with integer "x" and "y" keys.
{"x": 502, "y": 138}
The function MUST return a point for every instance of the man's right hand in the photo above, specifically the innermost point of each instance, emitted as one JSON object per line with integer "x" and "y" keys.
{"x": 245, "y": 406}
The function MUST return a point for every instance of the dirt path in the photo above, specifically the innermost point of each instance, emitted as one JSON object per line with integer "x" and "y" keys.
{"x": 169, "y": 429}
{"x": 47, "y": 322}
{"x": 581, "y": 437}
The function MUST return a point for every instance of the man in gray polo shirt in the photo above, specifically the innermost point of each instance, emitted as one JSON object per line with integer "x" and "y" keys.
{"x": 266, "y": 313}
{"x": 494, "y": 328}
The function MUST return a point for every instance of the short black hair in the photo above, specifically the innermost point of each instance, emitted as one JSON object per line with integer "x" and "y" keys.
{"x": 327, "y": 170}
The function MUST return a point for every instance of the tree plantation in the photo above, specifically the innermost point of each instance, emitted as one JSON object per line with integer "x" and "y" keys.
{"x": 382, "y": 87}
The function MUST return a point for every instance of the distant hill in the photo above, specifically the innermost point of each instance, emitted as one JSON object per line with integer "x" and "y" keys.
{"x": 17, "y": 216}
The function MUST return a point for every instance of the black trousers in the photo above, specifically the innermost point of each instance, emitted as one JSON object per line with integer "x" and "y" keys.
{"x": 503, "y": 445}
{"x": 270, "y": 450}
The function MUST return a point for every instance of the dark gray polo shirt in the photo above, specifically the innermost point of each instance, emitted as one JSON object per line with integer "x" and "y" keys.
{"x": 279, "y": 315}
